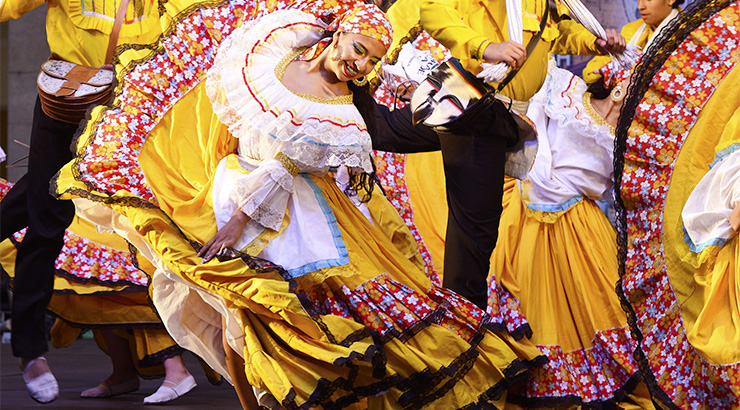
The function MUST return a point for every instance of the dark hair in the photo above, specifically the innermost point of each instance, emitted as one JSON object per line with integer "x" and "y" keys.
{"x": 598, "y": 89}
{"x": 677, "y": 4}
{"x": 363, "y": 182}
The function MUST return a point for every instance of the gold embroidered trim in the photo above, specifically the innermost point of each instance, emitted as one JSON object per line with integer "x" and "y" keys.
{"x": 280, "y": 71}
{"x": 287, "y": 163}
{"x": 593, "y": 114}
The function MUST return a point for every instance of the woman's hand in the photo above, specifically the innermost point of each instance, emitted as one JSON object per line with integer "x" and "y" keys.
{"x": 225, "y": 237}
{"x": 735, "y": 218}
{"x": 614, "y": 43}
{"x": 509, "y": 52}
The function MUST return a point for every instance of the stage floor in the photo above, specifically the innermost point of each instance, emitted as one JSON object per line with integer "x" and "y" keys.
{"x": 83, "y": 365}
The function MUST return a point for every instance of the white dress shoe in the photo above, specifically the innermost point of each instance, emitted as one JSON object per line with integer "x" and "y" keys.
{"x": 44, "y": 388}
{"x": 166, "y": 393}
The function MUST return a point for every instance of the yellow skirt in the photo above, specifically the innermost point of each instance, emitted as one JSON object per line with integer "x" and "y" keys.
{"x": 562, "y": 268}
{"x": 375, "y": 330}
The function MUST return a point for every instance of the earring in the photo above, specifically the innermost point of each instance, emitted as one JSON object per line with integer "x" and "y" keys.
{"x": 360, "y": 81}
{"x": 334, "y": 55}
{"x": 617, "y": 94}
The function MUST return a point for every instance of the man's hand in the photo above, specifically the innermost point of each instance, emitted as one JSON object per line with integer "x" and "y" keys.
{"x": 614, "y": 43}
{"x": 509, "y": 52}
{"x": 225, "y": 237}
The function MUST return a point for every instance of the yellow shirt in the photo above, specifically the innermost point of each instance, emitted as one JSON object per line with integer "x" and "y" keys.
{"x": 78, "y": 30}
{"x": 628, "y": 31}
{"x": 466, "y": 27}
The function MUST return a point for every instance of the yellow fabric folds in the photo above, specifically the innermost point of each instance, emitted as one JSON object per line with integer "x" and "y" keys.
{"x": 555, "y": 274}
{"x": 425, "y": 180}
{"x": 286, "y": 349}
{"x": 179, "y": 160}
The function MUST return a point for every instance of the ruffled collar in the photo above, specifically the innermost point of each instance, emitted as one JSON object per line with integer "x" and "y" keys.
{"x": 247, "y": 95}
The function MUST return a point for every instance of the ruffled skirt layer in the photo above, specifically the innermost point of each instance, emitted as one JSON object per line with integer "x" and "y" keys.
{"x": 375, "y": 329}
{"x": 97, "y": 286}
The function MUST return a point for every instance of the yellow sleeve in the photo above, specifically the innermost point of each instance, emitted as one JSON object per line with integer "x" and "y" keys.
{"x": 442, "y": 20}
{"x": 13, "y": 9}
{"x": 590, "y": 74}
{"x": 574, "y": 39}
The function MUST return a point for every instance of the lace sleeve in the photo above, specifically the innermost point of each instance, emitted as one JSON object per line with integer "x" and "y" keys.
{"x": 263, "y": 194}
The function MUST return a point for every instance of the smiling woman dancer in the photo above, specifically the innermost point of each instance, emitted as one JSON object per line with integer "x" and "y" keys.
{"x": 318, "y": 308}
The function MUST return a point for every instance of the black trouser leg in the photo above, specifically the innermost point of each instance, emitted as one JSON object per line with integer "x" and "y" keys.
{"x": 474, "y": 169}
{"x": 48, "y": 218}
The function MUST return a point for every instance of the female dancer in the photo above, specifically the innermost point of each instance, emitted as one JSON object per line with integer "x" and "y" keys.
{"x": 320, "y": 308}
{"x": 557, "y": 252}
{"x": 655, "y": 14}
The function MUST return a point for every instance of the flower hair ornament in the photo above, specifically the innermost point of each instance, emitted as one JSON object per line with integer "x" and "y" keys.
{"x": 367, "y": 20}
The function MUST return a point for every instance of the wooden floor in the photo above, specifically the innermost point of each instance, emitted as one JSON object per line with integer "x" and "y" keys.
{"x": 83, "y": 365}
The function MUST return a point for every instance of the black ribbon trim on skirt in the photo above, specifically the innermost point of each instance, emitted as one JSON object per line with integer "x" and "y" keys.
{"x": 158, "y": 358}
{"x": 567, "y": 401}
{"x": 111, "y": 326}
{"x": 60, "y": 272}
{"x": 419, "y": 389}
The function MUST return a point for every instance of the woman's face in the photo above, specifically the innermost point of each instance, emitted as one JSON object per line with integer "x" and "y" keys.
{"x": 653, "y": 12}
{"x": 354, "y": 56}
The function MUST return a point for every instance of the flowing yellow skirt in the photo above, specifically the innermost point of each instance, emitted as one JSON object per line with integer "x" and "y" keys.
{"x": 562, "y": 268}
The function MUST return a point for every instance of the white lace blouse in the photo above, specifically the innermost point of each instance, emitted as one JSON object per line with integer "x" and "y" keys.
{"x": 281, "y": 133}
{"x": 574, "y": 158}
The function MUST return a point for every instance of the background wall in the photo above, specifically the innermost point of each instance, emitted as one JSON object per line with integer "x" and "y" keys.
{"x": 23, "y": 48}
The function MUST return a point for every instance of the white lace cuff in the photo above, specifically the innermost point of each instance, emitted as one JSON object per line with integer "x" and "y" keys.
{"x": 263, "y": 194}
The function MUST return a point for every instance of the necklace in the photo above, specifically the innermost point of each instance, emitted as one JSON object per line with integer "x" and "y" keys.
{"x": 598, "y": 119}
{"x": 280, "y": 71}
